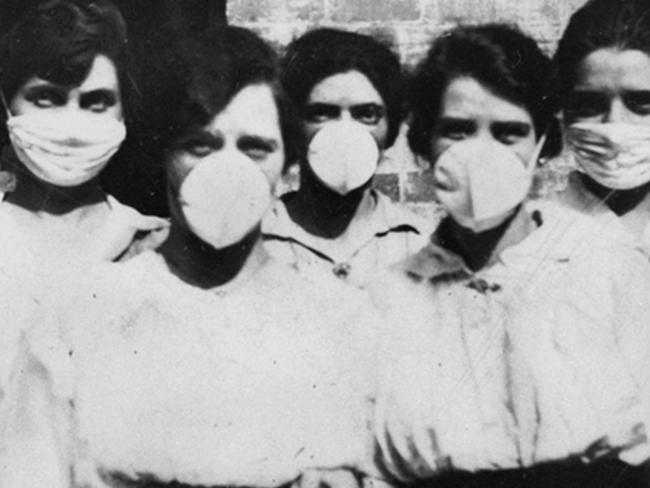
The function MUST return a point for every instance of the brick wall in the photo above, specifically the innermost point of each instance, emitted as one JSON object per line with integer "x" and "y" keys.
{"x": 408, "y": 25}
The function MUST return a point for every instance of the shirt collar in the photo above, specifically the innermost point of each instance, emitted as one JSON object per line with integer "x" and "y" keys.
{"x": 436, "y": 262}
{"x": 387, "y": 217}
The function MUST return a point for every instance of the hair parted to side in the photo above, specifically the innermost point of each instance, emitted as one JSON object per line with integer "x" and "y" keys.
{"x": 500, "y": 57}
{"x": 57, "y": 40}
{"x": 208, "y": 71}
{"x": 324, "y": 52}
{"x": 600, "y": 24}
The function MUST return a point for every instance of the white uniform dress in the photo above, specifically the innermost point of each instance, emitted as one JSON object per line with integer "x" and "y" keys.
{"x": 392, "y": 234}
{"x": 26, "y": 274}
{"x": 242, "y": 386}
{"x": 535, "y": 358}
{"x": 602, "y": 219}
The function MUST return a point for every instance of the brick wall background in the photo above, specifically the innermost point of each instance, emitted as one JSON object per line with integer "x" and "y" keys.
{"x": 408, "y": 25}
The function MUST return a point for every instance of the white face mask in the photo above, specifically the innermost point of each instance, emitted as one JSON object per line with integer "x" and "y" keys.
{"x": 223, "y": 198}
{"x": 65, "y": 149}
{"x": 614, "y": 154}
{"x": 480, "y": 183}
{"x": 343, "y": 156}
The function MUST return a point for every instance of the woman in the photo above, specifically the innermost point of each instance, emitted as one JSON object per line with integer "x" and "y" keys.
{"x": 62, "y": 84}
{"x": 603, "y": 61}
{"x": 348, "y": 89}
{"x": 503, "y": 354}
{"x": 63, "y": 80}
{"x": 221, "y": 366}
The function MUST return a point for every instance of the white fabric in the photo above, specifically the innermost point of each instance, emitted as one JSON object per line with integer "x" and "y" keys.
{"x": 377, "y": 246}
{"x": 224, "y": 197}
{"x": 480, "y": 183}
{"x": 550, "y": 358}
{"x": 343, "y": 156}
{"x": 615, "y": 154}
{"x": 249, "y": 386}
{"x": 632, "y": 229}
{"x": 65, "y": 149}
{"x": 28, "y": 270}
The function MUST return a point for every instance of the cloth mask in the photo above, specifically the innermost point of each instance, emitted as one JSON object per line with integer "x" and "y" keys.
{"x": 65, "y": 149}
{"x": 343, "y": 156}
{"x": 480, "y": 183}
{"x": 223, "y": 198}
{"x": 614, "y": 154}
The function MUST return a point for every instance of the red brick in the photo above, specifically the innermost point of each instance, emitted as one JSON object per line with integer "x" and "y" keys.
{"x": 374, "y": 10}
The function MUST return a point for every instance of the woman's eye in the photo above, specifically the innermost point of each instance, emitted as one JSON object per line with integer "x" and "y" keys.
{"x": 98, "y": 101}
{"x": 46, "y": 99}
{"x": 456, "y": 131}
{"x": 510, "y": 133}
{"x": 44, "y": 102}
{"x": 369, "y": 114}
{"x": 98, "y": 107}
{"x": 638, "y": 102}
{"x": 256, "y": 154}
{"x": 583, "y": 104}
{"x": 321, "y": 112}
{"x": 256, "y": 148}
{"x": 507, "y": 139}
{"x": 197, "y": 148}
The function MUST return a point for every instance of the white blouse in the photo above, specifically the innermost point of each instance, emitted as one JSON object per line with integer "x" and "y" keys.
{"x": 244, "y": 386}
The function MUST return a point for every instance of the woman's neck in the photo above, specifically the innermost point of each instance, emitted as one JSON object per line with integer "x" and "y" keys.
{"x": 325, "y": 213}
{"x": 35, "y": 195}
{"x": 620, "y": 202}
{"x": 481, "y": 249}
{"x": 199, "y": 264}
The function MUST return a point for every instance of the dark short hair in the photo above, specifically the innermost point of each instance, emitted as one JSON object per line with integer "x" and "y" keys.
{"x": 324, "y": 52}
{"x": 57, "y": 40}
{"x": 600, "y": 24}
{"x": 498, "y": 56}
{"x": 209, "y": 70}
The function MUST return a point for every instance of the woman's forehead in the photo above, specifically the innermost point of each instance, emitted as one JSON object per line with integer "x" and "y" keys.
{"x": 101, "y": 76}
{"x": 465, "y": 97}
{"x": 614, "y": 69}
{"x": 253, "y": 110}
{"x": 348, "y": 88}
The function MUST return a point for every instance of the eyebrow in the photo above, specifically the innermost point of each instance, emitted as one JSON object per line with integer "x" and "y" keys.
{"x": 328, "y": 107}
{"x": 522, "y": 128}
{"x": 106, "y": 94}
{"x": 456, "y": 121}
{"x": 255, "y": 140}
{"x": 41, "y": 88}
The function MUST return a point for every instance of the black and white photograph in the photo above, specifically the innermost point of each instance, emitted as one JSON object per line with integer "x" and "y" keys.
{"x": 325, "y": 244}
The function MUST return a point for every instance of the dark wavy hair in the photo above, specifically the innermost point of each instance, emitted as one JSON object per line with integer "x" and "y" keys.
{"x": 500, "y": 57}
{"x": 57, "y": 40}
{"x": 600, "y": 24}
{"x": 324, "y": 52}
{"x": 206, "y": 72}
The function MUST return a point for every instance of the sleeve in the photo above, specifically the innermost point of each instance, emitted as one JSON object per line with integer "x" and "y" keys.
{"x": 575, "y": 351}
{"x": 441, "y": 401}
{"x": 631, "y": 292}
{"x": 35, "y": 428}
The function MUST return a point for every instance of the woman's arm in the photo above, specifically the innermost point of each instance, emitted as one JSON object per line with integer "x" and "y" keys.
{"x": 35, "y": 430}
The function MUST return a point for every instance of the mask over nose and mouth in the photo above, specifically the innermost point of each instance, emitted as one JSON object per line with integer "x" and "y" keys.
{"x": 223, "y": 198}
{"x": 480, "y": 183}
{"x": 65, "y": 149}
{"x": 614, "y": 154}
{"x": 343, "y": 156}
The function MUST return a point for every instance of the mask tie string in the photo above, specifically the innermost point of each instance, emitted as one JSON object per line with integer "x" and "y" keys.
{"x": 5, "y": 105}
